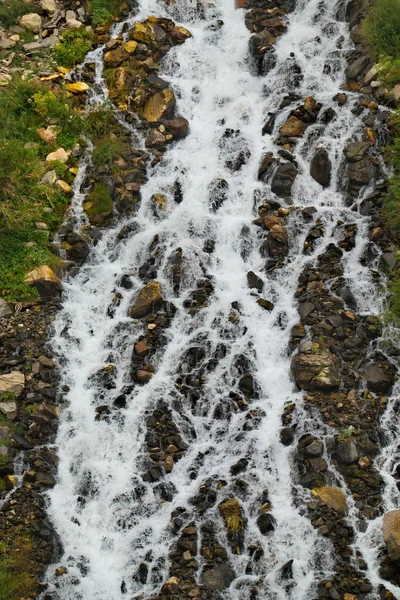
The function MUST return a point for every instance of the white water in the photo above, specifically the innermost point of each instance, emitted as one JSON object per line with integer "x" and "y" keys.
{"x": 213, "y": 81}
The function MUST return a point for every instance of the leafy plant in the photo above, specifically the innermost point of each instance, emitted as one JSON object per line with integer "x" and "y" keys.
{"x": 72, "y": 47}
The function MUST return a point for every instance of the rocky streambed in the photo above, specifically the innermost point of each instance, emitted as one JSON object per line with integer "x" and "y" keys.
{"x": 224, "y": 375}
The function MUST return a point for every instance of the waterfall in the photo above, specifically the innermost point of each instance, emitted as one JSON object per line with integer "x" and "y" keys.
{"x": 113, "y": 522}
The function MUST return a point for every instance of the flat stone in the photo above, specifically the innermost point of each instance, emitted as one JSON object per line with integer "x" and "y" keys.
{"x": 79, "y": 87}
{"x": 218, "y": 577}
{"x": 74, "y": 24}
{"x": 333, "y": 497}
{"x": 391, "y": 533}
{"x": 64, "y": 186}
{"x": 12, "y": 383}
{"x": 357, "y": 67}
{"x": 149, "y": 300}
{"x": 32, "y": 47}
{"x": 7, "y": 43}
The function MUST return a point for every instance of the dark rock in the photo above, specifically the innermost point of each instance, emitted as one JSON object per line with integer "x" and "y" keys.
{"x": 218, "y": 577}
{"x": 321, "y": 168}
{"x": 379, "y": 377}
{"x": 265, "y": 523}
{"x": 254, "y": 281}
{"x": 283, "y": 179}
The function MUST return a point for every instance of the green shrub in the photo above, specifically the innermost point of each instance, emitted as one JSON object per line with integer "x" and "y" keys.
{"x": 98, "y": 122}
{"x": 382, "y": 28}
{"x": 72, "y": 47}
{"x": 12, "y": 10}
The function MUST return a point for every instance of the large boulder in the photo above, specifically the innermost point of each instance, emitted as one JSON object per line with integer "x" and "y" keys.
{"x": 316, "y": 371}
{"x": 149, "y": 300}
{"x": 283, "y": 179}
{"x": 357, "y": 67}
{"x": 333, "y": 497}
{"x": 159, "y": 106}
{"x": 45, "y": 281}
{"x": 391, "y": 533}
{"x": 321, "y": 168}
{"x": 277, "y": 241}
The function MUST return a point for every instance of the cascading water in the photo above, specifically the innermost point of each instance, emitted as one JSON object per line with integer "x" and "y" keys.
{"x": 110, "y": 521}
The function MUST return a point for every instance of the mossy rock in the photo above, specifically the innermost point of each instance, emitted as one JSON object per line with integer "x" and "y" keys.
{"x": 98, "y": 205}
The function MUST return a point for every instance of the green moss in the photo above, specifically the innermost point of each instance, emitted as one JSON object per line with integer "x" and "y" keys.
{"x": 72, "y": 47}
{"x": 345, "y": 435}
{"x": 11, "y": 11}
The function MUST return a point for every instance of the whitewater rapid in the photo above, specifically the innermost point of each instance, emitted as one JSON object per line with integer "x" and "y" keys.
{"x": 122, "y": 521}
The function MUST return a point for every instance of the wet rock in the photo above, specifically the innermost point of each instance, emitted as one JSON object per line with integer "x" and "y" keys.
{"x": 159, "y": 106}
{"x": 283, "y": 179}
{"x": 346, "y": 452}
{"x": 5, "y": 309}
{"x": 391, "y": 533}
{"x": 218, "y": 193}
{"x": 180, "y": 34}
{"x": 315, "y": 449}
{"x": 265, "y": 304}
{"x": 379, "y": 377}
{"x": 149, "y": 300}
{"x": 246, "y": 384}
{"x": 293, "y": 127}
{"x": 277, "y": 241}
{"x": 231, "y": 513}
{"x": 254, "y": 281}
{"x": 355, "y": 151}
{"x": 45, "y": 281}
{"x": 178, "y": 127}
{"x": 357, "y": 67}
{"x": 333, "y": 497}
{"x": 321, "y": 168}
{"x": 286, "y": 436}
{"x": 218, "y": 577}
{"x": 265, "y": 523}
{"x": 316, "y": 371}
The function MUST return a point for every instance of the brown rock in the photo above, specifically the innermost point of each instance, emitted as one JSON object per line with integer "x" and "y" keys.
{"x": 143, "y": 376}
{"x": 113, "y": 58}
{"x": 179, "y": 35}
{"x": 333, "y": 497}
{"x": 316, "y": 371}
{"x": 293, "y": 127}
{"x": 149, "y": 300}
{"x": 79, "y": 87}
{"x": 141, "y": 348}
{"x": 179, "y": 127}
{"x": 391, "y": 533}
{"x": 160, "y": 105}
{"x": 271, "y": 220}
{"x": 12, "y": 383}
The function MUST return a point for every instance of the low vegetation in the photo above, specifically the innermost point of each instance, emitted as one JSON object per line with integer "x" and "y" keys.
{"x": 12, "y": 10}
{"x": 72, "y": 47}
{"x": 104, "y": 11}
{"x": 381, "y": 28}
{"x": 25, "y": 107}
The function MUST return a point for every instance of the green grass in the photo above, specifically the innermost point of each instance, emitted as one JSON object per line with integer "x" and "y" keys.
{"x": 72, "y": 48}
{"x": 25, "y": 106}
{"x": 98, "y": 200}
{"x": 107, "y": 150}
{"x": 11, "y": 11}
{"x": 15, "y": 581}
{"x": 381, "y": 28}
{"x": 104, "y": 11}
